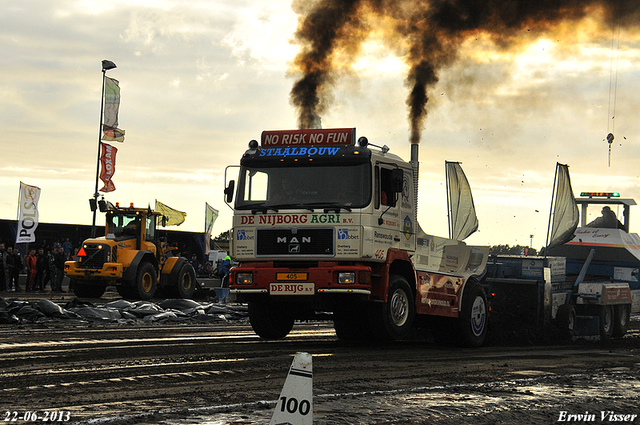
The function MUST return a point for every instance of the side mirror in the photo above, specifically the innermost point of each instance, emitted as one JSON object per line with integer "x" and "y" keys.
{"x": 228, "y": 191}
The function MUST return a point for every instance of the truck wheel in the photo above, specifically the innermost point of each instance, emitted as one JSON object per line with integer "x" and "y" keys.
{"x": 621, "y": 317}
{"x": 146, "y": 281}
{"x": 350, "y": 323}
{"x": 566, "y": 321}
{"x": 474, "y": 316}
{"x": 606, "y": 322}
{"x": 393, "y": 319}
{"x": 84, "y": 290}
{"x": 186, "y": 284}
{"x": 270, "y": 321}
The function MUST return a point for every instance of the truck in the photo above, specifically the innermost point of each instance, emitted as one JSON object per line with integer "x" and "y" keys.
{"x": 324, "y": 227}
{"x": 133, "y": 257}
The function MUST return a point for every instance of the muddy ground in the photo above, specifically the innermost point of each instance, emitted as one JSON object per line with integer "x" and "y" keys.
{"x": 221, "y": 373}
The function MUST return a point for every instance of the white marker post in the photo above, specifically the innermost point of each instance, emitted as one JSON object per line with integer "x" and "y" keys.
{"x": 295, "y": 405}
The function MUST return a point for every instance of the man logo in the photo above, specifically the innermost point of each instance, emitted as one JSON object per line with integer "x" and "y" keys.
{"x": 242, "y": 235}
{"x": 294, "y": 249}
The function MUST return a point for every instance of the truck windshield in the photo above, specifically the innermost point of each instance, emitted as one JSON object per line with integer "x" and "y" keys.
{"x": 304, "y": 187}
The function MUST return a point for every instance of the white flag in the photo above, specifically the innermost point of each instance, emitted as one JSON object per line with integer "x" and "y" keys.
{"x": 210, "y": 215}
{"x": 28, "y": 221}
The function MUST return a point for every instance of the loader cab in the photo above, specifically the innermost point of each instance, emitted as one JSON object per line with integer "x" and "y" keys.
{"x": 130, "y": 224}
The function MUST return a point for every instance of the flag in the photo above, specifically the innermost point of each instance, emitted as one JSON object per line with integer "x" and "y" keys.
{"x": 173, "y": 217}
{"x": 565, "y": 209}
{"x": 463, "y": 221}
{"x": 110, "y": 129}
{"x": 108, "y": 162}
{"x": 28, "y": 221}
{"x": 210, "y": 216}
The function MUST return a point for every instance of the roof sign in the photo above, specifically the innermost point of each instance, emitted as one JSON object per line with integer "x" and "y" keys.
{"x": 316, "y": 137}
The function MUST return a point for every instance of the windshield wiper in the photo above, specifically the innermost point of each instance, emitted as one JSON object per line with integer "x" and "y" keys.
{"x": 330, "y": 206}
{"x": 261, "y": 207}
{"x": 298, "y": 206}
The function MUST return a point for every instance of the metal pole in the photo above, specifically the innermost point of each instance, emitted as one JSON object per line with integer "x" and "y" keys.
{"x": 95, "y": 193}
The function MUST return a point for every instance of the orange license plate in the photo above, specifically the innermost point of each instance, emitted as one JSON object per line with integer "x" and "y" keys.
{"x": 292, "y": 276}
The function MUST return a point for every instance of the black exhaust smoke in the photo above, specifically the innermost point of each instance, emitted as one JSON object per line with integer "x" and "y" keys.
{"x": 330, "y": 33}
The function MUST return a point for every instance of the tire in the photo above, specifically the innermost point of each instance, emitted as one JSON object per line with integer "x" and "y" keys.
{"x": 270, "y": 321}
{"x": 606, "y": 322}
{"x": 186, "y": 283}
{"x": 351, "y": 323}
{"x": 125, "y": 291}
{"x": 443, "y": 330}
{"x": 146, "y": 281}
{"x": 621, "y": 317}
{"x": 393, "y": 319}
{"x": 566, "y": 321}
{"x": 84, "y": 290}
{"x": 473, "y": 320}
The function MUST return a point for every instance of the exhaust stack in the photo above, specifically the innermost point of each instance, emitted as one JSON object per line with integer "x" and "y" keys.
{"x": 415, "y": 164}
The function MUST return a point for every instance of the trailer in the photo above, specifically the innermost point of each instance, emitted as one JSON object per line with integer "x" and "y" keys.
{"x": 586, "y": 286}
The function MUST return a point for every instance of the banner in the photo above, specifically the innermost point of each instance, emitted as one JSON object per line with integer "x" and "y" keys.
{"x": 173, "y": 217}
{"x": 108, "y": 162}
{"x": 28, "y": 221}
{"x": 110, "y": 129}
{"x": 210, "y": 216}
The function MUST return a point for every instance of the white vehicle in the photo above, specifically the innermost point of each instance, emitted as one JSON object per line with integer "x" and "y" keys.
{"x": 324, "y": 225}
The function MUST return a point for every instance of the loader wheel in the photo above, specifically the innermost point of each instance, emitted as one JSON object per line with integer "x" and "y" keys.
{"x": 84, "y": 290}
{"x": 270, "y": 321}
{"x": 606, "y": 322}
{"x": 621, "y": 317}
{"x": 146, "y": 281}
{"x": 566, "y": 321}
{"x": 394, "y": 318}
{"x": 186, "y": 284}
{"x": 474, "y": 316}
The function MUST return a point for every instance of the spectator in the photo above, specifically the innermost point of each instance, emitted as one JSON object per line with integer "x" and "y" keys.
{"x": 66, "y": 249}
{"x": 58, "y": 269}
{"x": 17, "y": 262}
{"x": 32, "y": 270}
{"x": 11, "y": 265}
{"x": 3, "y": 268}
{"x": 42, "y": 271}
{"x": 225, "y": 266}
{"x": 195, "y": 264}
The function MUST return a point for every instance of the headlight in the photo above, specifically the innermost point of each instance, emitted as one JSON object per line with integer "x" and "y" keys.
{"x": 347, "y": 278}
{"x": 244, "y": 279}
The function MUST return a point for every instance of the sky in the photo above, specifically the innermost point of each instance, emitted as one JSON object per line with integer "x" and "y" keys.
{"x": 200, "y": 79}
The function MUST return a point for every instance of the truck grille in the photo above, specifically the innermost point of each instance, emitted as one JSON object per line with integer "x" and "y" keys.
{"x": 295, "y": 242}
{"x": 95, "y": 258}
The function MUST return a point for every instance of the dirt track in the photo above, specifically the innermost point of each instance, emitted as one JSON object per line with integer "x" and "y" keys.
{"x": 154, "y": 373}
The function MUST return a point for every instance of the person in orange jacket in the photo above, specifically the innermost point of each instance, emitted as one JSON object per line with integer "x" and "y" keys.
{"x": 31, "y": 270}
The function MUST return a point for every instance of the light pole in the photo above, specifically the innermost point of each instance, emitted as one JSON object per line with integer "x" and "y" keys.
{"x": 93, "y": 202}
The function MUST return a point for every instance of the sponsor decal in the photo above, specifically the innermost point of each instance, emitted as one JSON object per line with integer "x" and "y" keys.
{"x": 274, "y": 220}
{"x": 407, "y": 228}
{"x": 302, "y": 151}
{"x": 344, "y": 234}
